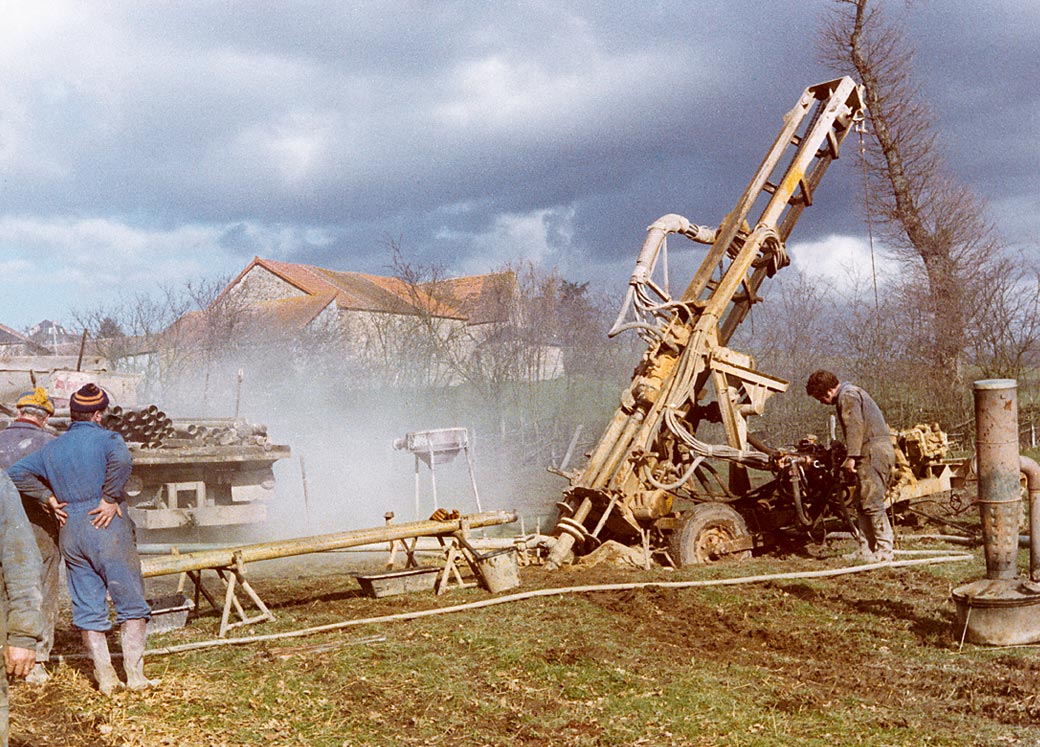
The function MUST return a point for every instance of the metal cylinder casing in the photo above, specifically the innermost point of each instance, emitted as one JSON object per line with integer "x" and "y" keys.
{"x": 1000, "y": 501}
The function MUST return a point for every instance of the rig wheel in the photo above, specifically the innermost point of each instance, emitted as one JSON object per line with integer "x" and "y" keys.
{"x": 704, "y": 532}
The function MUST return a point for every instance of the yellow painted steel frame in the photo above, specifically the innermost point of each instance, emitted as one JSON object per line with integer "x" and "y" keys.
{"x": 688, "y": 350}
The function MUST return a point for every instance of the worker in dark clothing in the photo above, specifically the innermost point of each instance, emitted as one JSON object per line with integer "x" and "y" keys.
{"x": 21, "y": 623}
{"x": 23, "y": 436}
{"x": 84, "y": 472}
{"x": 870, "y": 459}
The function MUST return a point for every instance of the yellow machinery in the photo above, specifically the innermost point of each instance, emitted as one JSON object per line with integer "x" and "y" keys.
{"x": 650, "y": 453}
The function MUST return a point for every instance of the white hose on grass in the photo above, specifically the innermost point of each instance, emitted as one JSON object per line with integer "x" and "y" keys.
{"x": 507, "y": 599}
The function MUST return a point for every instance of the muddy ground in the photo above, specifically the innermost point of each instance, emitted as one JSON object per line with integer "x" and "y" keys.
{"x": 798, "y": 651}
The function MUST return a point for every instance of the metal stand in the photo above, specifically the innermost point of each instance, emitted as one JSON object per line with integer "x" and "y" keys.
{"x": 232, "y": 575}
{"x": 435, "y": 447}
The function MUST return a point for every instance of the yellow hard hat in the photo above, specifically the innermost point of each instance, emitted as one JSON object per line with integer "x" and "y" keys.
{"x": 36, "y": 398}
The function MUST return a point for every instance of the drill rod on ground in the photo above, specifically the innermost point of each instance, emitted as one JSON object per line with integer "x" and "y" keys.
{"x": 169, "y": 564}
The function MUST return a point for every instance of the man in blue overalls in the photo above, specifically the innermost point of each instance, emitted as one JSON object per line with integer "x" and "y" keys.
{"x": 81, "y": 476}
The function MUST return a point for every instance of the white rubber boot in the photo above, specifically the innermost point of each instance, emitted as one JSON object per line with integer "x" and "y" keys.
{"x": 38, "y": 675}
{"x": 96, "y": 643}
{"x": 885, "y": 551}
{"x": 134, "y": 634}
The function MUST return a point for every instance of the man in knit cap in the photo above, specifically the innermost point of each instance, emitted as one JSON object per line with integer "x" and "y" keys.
{"x": 85, "y": 470}
{"x": 23, "y": 436}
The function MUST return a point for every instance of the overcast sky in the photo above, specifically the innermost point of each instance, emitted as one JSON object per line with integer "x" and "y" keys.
{"x": 148, "y": 143}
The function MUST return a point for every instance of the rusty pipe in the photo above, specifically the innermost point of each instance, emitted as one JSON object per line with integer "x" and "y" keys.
{"x": 1031, "y": 470}
{"x": 225, "y": 557}
{"x": 999, "y": 499}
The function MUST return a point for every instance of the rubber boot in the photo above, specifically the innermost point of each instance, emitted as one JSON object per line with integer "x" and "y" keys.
{"x": 38, "y": 674}
{"x": 96, "y": 643}
{"x": 884, "y": 537}
{"x": 134, "y": 635}
{"x": 864, "y": 531}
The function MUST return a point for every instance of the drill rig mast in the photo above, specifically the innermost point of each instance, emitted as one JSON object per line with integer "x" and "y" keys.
{"x": 649, "y": 454}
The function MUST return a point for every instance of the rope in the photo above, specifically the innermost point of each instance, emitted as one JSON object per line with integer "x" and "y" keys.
{"x": 861, "y": 128}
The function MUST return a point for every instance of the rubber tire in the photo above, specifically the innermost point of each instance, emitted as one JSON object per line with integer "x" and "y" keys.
{"x": 703, "y": 526}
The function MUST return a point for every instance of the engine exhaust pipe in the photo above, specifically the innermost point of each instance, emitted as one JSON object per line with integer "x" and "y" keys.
{"x": 1002, "y": 609}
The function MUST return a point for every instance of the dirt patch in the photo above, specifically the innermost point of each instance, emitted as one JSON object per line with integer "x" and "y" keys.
{"x": 775, "y": 662}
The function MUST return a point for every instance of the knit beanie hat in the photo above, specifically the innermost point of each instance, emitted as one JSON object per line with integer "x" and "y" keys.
{"x": 36, "y": 398}
{"x": 88, "y": 398}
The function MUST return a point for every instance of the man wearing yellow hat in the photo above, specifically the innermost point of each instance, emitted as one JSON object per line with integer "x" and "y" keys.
{"x": 23, "y": 436}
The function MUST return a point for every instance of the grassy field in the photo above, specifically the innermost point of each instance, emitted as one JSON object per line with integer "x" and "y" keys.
{"x": 869, "y": 658}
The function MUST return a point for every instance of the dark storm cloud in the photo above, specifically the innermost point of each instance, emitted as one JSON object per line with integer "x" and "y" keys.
{"x": 980, "y": 71}
{"x": 189, "y": 136}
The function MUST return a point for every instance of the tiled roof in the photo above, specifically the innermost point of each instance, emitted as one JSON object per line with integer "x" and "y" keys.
{"x": 393, "y": 295}
{"x": 481, "y": 298}
{"x": 475, "y": 300}
{"x": 9, "y": 336}
{"x": 353, "y": 290}
{"x": 266, "y": 319}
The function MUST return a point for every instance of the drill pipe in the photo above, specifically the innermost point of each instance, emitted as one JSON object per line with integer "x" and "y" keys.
{"x": 999, "y": 501}
{"x": 168, "y": 564}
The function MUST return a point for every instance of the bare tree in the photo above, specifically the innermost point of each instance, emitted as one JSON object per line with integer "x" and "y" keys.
{"x": 532, "y": 346}
{"x": 430, "y": 345}
{"x": 148, "y": 333}
{"x": 935, "y": 225}
{"x": 1007, "y": 343}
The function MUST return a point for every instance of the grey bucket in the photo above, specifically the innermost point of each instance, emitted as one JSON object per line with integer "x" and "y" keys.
{"x": 499, "y": 569}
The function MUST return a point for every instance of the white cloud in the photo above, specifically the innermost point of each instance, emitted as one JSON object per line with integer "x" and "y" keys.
{"x": 538, "y": 237}
{"x": 77, "y": 264}
{"x": 842, "y": 261}
{"x": 501, "y": 92}
{"x": 306, "y": 132}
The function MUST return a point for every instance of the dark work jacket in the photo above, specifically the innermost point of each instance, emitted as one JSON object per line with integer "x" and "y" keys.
{"x": 20, "y": 438}
{"x": 860, "y": 417}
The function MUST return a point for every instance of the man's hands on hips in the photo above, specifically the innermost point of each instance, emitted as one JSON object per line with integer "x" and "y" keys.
{"x": 104, "y": 513}
{"x": 19, "y": 661}
{"x": 56, "y": 507}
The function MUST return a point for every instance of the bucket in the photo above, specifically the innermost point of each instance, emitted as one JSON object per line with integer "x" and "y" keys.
{"x": 998, "y": 612}
{"x": 169, "y": 613}
{"x": 499, "y": 569}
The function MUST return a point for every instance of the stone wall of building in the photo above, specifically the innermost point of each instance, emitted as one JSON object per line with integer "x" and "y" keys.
{"x": 260, "y": 284}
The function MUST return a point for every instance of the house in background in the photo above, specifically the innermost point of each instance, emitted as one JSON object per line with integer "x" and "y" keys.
{"x": 365, "y": 318}
{"x": 14, "y": 344}
{"x": 54, "y": 337}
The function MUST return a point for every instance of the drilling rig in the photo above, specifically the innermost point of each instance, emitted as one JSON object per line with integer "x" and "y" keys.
{"x": 650, "y": 457}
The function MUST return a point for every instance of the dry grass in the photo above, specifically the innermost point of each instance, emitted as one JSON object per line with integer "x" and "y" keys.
{"x": 868, "y": 659}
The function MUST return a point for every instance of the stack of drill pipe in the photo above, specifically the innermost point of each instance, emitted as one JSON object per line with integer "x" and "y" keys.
{"x": 230, "y": 433}
{"x": 149, "y": 425}
{"x": 221, "y": 432}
